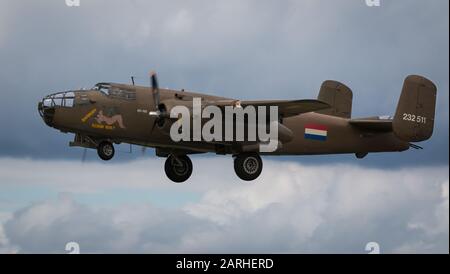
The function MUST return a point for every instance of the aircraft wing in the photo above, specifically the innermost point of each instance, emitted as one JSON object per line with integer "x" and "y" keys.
{"x": 374, "y": 124}
{"x": 286, "y": 108}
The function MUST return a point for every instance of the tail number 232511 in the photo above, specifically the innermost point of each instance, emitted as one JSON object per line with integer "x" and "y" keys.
{"x": 414, "y": 118}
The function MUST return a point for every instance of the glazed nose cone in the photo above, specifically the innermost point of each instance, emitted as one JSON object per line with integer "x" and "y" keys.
{"x": 46, "y": 109}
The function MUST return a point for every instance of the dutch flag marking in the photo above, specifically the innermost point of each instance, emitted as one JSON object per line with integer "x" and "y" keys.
{"x": 316, "y": 132}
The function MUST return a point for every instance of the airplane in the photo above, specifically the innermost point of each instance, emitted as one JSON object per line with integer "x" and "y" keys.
{"x": 111, "y": 113}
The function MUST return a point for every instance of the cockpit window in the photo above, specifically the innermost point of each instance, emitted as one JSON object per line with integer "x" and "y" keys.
{"x": 116, "y": 92}
{"x": 62, "y": 99}
{"x": 103, "y": 88}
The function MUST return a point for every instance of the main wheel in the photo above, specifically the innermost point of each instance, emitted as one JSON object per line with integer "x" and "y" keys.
{"x": 105, "y": 151}
{"x": 178, "y": 168}
{"x": 248, "y": 166}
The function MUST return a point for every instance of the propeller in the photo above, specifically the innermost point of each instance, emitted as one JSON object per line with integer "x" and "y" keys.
{"x": 155, "y": 89}
{"x": 160, "y": 112}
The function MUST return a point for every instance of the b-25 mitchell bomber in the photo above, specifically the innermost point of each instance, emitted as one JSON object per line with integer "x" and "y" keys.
{"x": 112, "y": 113}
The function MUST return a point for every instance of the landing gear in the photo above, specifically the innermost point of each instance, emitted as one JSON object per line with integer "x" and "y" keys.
{"x": 248, "y": 166}
{"x": 178, "y": 168}
{"x": 105, "y": 151}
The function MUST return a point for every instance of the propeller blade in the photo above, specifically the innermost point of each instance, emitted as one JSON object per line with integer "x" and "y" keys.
{"x": 155, "y": 89}
{"x": 160, "y": 112}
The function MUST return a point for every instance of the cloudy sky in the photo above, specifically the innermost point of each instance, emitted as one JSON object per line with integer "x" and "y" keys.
{"x": 242, "y": 49}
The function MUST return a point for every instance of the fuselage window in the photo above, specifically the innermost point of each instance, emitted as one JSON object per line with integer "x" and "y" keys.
{"x": 122, "y": 94}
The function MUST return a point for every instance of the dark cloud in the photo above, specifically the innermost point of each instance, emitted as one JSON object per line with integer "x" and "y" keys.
{"x": 244, "y": 49}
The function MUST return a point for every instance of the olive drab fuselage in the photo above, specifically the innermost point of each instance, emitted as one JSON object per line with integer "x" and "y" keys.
{"x": 342, "y": 137}
{"x": 118, "y": 113}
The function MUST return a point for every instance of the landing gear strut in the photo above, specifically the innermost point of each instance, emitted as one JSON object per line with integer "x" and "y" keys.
{"x": 178, "y": 168}
{"x": 105, "y": 151}
{"x": 248, "y": 166}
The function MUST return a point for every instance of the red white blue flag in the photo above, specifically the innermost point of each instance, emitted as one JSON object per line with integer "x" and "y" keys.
{"x": 316, "y": 132}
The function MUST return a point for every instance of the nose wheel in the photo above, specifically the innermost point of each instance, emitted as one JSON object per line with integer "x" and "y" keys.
{"x": 178, "y": 168}
{"x": 248, "y": 166}
{"x": 105, "y": 151}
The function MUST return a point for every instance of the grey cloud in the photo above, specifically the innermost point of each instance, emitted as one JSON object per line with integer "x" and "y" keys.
{"x": 244, "y": 49}
{"x": 292, "y": 208}
{"x": 46, "y": 227}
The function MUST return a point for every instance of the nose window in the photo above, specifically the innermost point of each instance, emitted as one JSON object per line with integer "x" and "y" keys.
{"x": 48, "y": 103}
{"x": 58, "y": 99}
{"x": 68, "y": 102}
{"x": 64, "y": 99}
{"x": 68, "y": 99}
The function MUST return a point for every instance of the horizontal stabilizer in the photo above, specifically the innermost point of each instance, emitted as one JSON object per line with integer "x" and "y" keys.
{"x": 373, "y": 124}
